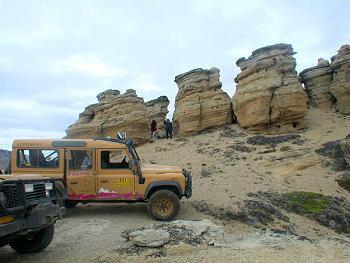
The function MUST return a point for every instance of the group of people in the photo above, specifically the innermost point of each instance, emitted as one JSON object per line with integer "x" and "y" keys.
{"x": 168, "y": 126}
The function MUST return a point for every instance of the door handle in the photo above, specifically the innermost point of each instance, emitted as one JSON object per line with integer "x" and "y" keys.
{"x": 74, "y": 183}
{"x": 104, "y": 181}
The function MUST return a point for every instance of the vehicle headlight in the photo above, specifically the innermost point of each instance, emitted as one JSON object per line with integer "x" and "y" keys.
{"x": 28, "y": 188}
{"x": 48, "y": 186}
{"x": 3, "y": 199}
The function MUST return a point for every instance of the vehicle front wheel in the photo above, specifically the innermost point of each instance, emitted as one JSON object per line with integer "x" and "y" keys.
{"x": 34, "y": 242}
{"x": 163, "y": 205}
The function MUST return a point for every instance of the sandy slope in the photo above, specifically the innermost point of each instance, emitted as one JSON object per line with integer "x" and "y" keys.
{"x": 231, "y": 178}
{"x": 225, "y": 169}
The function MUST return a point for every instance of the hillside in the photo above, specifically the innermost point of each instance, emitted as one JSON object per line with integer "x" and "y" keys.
{"x": 243, "y": 188}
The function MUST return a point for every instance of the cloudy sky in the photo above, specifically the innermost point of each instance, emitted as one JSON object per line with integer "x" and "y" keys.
{"x": 56, "y": 55}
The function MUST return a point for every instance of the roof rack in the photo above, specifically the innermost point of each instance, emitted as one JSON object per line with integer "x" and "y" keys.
{"x": 107, "y": 139}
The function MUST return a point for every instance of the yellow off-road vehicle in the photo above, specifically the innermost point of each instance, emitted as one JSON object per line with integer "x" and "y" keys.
{"x": 103, "y": 170}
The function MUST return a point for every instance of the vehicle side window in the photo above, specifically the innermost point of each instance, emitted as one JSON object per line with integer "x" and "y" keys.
{"x": 37, "y": 158}
{"x": 81, "y": 160}
{"x": 114, "y": 159}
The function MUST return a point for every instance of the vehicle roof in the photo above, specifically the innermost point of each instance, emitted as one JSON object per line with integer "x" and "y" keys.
{"x": 74, "y": 143}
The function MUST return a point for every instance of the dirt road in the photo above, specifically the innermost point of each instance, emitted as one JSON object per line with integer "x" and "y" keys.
{"x": 87, "y": 230}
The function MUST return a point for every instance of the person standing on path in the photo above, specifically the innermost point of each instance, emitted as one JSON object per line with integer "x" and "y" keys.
{"x": 153, "y": 129}
{"x": 168, "y": 129}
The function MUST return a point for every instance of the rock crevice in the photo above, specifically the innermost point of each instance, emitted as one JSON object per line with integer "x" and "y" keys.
{"x": 158, "y": 110}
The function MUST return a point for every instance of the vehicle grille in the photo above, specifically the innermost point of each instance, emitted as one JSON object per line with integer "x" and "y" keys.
{"x": 39, "y": 192}
{"x": 13, "y": 195}
{"x": 16, "y": 197}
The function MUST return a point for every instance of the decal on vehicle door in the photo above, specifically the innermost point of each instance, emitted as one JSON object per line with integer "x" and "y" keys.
{"x": 77, "y": 173}
{"x": 122, "y": 182}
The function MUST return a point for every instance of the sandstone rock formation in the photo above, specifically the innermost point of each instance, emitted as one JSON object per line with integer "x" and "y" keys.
{"x": 158, "y": 109}
{"x": 200, "y": 102}
{"x": 340, "y": 86}
{"x": 317, "y": 80}
{"x": 115, "y": 112}
{"x": 329, "y": 84}
{"x": 269, "y": 96}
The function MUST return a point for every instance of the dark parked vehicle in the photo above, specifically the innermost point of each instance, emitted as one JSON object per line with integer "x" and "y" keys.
{"x": 29, "y": 209}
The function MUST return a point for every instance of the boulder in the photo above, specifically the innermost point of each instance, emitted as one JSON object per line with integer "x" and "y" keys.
{"x": 173, "y": 233}
{"x": 340, "y": 85}
{"x": 204, "y": 229}
{"x": 317, "y": 80}
{"x": 200, "y": 103}
{"x": 115, "y": 112}
{"x": 339, "y": 152}
{"x": 269, "y": 97}
{"x": 158, "y": 110}
{"x": 149, "y": 237}
{"x": 344, "y": 180}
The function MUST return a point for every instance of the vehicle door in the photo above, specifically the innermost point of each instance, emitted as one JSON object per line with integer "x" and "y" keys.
{"x": 115, "y": 180}
{"x": 81, "y": 176}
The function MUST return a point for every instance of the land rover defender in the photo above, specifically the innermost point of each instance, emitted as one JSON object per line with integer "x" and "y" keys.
{"x": 28, "y": 210}
{"x": 103, "y": 170}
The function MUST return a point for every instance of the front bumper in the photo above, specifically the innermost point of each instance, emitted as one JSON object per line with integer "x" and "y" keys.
{"x": 188, "y": 187}
{"x": 40, "y": 216}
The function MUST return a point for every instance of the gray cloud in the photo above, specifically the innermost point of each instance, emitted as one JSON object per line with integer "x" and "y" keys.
{"x": 55, "y": 56}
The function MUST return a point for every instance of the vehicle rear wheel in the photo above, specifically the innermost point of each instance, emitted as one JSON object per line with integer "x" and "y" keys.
{"x": 34, "y": 242}
{"x": 163, "y": 205}
{"x": 70, "y": 203}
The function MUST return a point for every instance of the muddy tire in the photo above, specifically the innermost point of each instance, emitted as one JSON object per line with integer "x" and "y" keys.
{"x": 70, "y": 204}
{"x": 34, "y": 243}
{"x": 163, "y": 205}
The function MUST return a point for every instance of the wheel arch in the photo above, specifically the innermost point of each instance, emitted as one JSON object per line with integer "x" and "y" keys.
{"x": 163, "y": 185}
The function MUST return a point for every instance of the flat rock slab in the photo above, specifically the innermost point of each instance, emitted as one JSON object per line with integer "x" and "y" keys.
{"x": 149, "y": 237}
{"x": 173, "y": 233}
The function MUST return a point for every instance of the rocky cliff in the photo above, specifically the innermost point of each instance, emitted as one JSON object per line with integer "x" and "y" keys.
{"x": 269, "y": 96}
{"x": 200, "y": 102}
{"x": 327, "y": 84}
{"x": 317, "y": 80}
{"x": 158, "y": 110}
{"x": 340, "y": 86}
{"x": 114, "y": 112}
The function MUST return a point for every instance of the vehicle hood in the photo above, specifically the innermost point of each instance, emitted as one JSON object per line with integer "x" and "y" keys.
{"x": 21, "y": 176}
{"x": 151, "y": 168}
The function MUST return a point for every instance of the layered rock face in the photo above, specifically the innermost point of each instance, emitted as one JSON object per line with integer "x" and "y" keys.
{"x": 328, "y": 85}
{"x": 158, "y": 110}
{"x": 200, "y": 103}
{"x": 317, "y": 80}
{"x": 340, "y": 86}
{"x": 269, "y": 96}
{"x": 115, "y": 112}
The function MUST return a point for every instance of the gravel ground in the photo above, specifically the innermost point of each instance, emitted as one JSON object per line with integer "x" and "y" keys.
{"x": 87, "y": 230}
